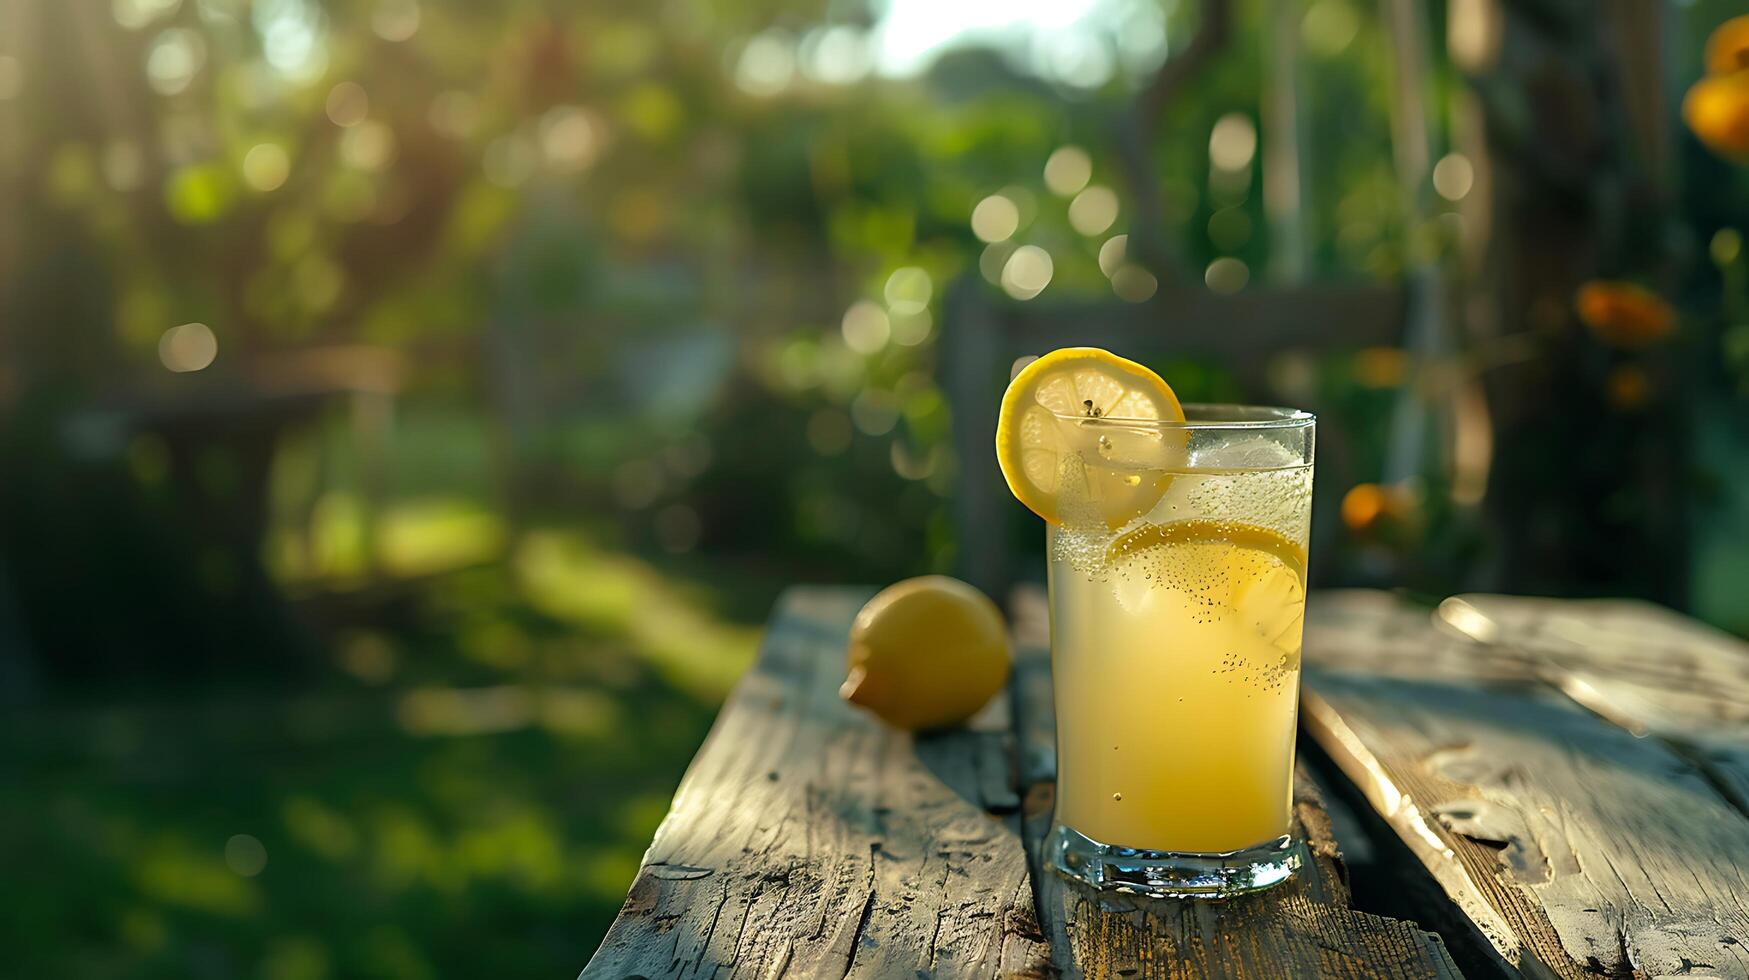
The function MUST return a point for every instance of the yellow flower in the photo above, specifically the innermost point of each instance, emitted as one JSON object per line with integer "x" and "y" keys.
{"x": 1624, "y": 314}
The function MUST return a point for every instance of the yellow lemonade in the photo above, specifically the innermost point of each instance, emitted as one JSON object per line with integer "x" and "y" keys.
{"x": 1177, "y": 538}
{"x": 1175, "y": 648}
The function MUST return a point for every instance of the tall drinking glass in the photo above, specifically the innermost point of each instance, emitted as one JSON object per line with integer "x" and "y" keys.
{"x": 1175, "y": 653}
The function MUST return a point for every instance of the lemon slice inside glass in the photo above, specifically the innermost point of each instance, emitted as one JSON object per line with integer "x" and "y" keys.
{"x": 1077, "y": 437}
{"x": 1251, "y": 574}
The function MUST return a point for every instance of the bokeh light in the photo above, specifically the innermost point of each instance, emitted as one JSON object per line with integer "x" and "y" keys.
{"x": 912, "y": 329}
{"x": 1112, "y": 253}
{"x": 1725, "y": 247}
{"x": 1093, "y": 210}
{"x": 189, "y": 347}
{"x": 1027, "y": 272}
{"x": 348, "y": 104}
{"x": 837, "y": 55}
{"x": 200, "y": 194}
{"x": 866, "y": 328}
{"x": 1227, "y": 275}
{"x": 136, "y": 14}
{"x": 1329, "y": 27}
{"x": 1134, "y": 283}
{"x": 1068, "y": 170}
{"x": 874, "y": 411}
{"x": 1453, "y": 176}
{"x": 908, "y": 290}
{"x": 1075, "y": 58}
{"x": 1474, "y": 35}
{"x": 993, "y": 259}
{"x": 995, "y": 218}
{"x": 570, "y": 138}
{"x": 1362, "y": 505}
{"x": 1233, "y": 142}
{"x": 368, "y": 656}
{"x": 1141, "y": 38}
{"x": 910, "y": 464}
{"x": 368, "y": 146}
{"x": 245, "y": 855}
{"x": 266, "y": 167}
{"x": 395, "y": 20}
{"x": 293, "y": 37}
{"x": 173, "y": 59}
{"x": 767, "y": 64}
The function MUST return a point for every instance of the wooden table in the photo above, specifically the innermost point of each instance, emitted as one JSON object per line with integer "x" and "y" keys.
{"x": 1558, "y": 787}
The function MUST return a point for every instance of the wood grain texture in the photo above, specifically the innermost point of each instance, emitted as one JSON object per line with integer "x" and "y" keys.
{"x": 1638, "y": 665}
{"x": 808, "y": 840}
{"x": 1571, "y": 846}
{"x": 1301, "y": 929}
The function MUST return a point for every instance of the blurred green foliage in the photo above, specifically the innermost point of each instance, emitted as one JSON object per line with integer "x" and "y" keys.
{"x": 629, "y": 235}
{"x": 463, "y": 790}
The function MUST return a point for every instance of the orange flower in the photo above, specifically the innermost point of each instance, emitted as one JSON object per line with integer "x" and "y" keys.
{"x": 1727, "y": 50}
{"x": 1624, "y": 314}
{"x": 1717, "y": 110}
{"x": 1362, "y": 505}
{"x": 1369, "y": 507}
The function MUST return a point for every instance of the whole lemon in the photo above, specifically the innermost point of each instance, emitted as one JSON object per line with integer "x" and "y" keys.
{"x": 927, "y": 653}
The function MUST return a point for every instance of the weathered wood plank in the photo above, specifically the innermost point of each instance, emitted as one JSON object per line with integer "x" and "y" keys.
{"x": 1301, "y": 929}
{"x": 808, "y": 840}
{"x": 1570, "y": 846}
{"x": 1639, "y": 665}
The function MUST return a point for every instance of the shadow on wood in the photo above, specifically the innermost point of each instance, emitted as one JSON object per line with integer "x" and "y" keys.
{"x": 1570, "y": 845}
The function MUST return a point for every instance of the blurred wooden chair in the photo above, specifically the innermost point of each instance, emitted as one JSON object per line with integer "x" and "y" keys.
{"x": 1247, "y": 334}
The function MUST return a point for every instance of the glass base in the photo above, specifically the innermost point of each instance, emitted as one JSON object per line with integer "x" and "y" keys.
{"x": 1172, "y": 874}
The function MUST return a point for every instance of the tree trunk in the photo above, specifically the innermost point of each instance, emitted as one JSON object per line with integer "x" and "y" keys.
{"x": 1563, "y": 123}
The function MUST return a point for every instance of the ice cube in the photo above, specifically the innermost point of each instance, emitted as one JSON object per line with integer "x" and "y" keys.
{"x": 1252, "y": 452}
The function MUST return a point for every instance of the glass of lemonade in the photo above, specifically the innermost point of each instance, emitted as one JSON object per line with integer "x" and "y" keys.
{"x": 1175, "y": 646}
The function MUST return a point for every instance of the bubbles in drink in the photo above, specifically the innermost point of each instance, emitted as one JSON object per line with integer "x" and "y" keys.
{"x": 1200, "y": 598}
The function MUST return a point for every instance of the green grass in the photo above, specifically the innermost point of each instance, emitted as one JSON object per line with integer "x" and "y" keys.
{"x": 465, "y": 790}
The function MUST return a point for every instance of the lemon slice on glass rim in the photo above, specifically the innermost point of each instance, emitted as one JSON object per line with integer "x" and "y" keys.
{"x": 1078, "y": 439}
